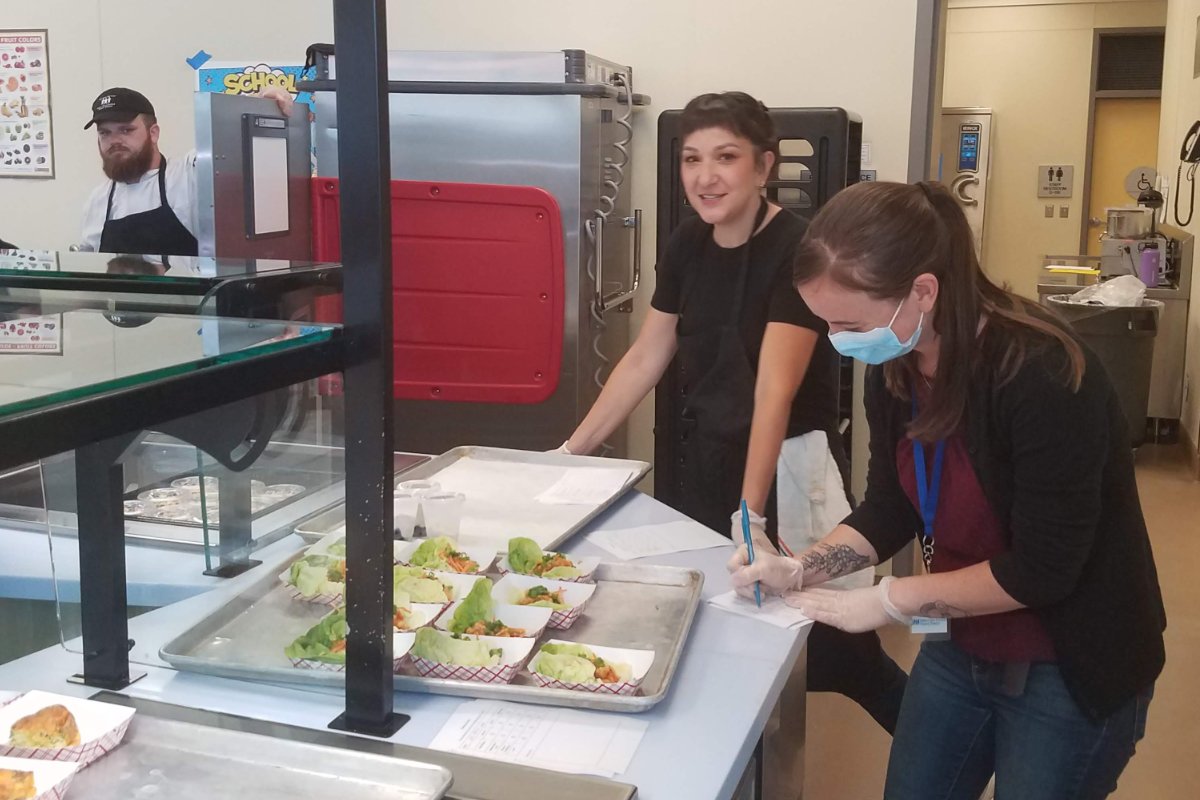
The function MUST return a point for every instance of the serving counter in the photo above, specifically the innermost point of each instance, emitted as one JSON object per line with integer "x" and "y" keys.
{"x": 699, "y": 741}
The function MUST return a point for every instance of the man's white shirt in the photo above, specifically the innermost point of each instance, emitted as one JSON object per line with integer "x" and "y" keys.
{"x": 134, "y": 198}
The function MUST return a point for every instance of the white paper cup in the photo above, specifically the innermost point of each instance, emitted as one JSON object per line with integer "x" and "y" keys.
{"x": 442, "y": 512}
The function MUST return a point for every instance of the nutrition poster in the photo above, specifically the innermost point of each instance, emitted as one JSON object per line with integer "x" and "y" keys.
{"x": 26, "y": 149}
{"x": 32, "y": 335}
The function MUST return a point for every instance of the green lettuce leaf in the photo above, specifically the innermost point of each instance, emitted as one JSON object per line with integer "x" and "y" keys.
{"x": 317, "y": 574}
{"x": 565, "y": 667}
{"x": 431, "y": 553}
{"x": 523, "y": 555}
{"x": 338, "y": 548}
{"x": 444, "y": 648}
{"x": 316, "y": 644}
{"x": 419, "y": 585}
{"x": 475, "y": 607}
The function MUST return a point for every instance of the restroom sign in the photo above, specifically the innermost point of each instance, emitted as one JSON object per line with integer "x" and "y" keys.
{"x": 1055, "y": 180}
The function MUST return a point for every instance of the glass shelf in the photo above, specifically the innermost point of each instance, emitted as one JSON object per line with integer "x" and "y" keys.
{"x": 48, "y": 267}
{"x": 49, "y": 360}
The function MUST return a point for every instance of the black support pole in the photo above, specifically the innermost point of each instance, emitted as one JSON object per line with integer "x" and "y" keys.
{"x": 360, "y": 37}
{"x": 103, "y": 608}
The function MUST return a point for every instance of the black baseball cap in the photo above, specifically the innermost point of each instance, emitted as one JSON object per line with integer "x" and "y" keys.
{"x": 119, "y": 105}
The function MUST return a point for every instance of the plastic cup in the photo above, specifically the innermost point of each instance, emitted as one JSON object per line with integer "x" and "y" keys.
{"x": 443, "y": 513}
{"x": 405, "y": 507}
{"x": 417, "y": 488}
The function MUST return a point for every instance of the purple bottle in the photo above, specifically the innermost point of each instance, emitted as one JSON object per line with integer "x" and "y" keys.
{"x": 1148, "y": 266}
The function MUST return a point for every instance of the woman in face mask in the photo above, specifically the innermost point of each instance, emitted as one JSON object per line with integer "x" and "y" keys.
{"x": 998, "y": 442}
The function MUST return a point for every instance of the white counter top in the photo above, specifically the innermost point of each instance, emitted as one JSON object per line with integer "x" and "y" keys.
{"x": 699, "y": 739}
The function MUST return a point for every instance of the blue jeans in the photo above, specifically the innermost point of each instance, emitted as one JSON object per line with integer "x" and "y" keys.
{"x": 957, "y": 726}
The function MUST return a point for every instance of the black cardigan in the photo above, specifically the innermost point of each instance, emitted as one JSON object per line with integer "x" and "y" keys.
{"x": 1057, "y": 469}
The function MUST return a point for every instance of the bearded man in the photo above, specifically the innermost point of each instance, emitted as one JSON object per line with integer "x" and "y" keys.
{"x": 147, "y": 205}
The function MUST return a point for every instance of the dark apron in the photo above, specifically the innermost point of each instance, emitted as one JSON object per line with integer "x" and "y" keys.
{"x": 157, "y": 232}
{"x": 717, "y": 383}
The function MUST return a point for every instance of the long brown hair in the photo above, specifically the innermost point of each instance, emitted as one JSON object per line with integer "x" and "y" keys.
{"x": 878, "y": 237}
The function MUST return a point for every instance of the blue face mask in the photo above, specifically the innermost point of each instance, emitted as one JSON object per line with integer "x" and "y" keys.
{"x": 877, "y": 345}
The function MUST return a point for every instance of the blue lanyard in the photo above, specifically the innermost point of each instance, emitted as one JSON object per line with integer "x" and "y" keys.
{"x": 928, "y": 488}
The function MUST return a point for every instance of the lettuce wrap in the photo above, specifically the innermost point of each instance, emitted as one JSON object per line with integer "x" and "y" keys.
{"x": 446, "y": 648}
{"x": 526, "y": 558}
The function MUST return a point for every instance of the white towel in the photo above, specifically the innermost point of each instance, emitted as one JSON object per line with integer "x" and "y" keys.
{"x": 811, "y": 499}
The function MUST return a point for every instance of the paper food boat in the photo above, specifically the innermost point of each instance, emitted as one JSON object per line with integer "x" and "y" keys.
{"x": 587, "y": 566}
{"x": 402, "y": 642}
{"x": 516, "y": 651}
{"x": 50, "y": 778}
{"x": 483, "y": 556}
{"x": 101, "y": 727}
{"x": 532, "y": 620}
{"x": 460, "y": 584}
{"x": 331, "y": 599}
{"x": 639, "y": 662}
{"x": 577, "y": 595}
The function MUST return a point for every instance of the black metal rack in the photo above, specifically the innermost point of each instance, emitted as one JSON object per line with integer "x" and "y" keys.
{"x": 821, "y": 154}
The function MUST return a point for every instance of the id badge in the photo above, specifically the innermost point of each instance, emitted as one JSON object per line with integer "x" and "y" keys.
{"x": 930, "y": 626}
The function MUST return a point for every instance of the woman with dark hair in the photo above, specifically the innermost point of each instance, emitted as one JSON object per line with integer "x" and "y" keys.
{"x": 759, "y": 375}
{"x": 996, "y": 439}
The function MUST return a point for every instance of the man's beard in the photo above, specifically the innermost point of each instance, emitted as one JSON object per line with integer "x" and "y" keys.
{"x": 128, "y": 166}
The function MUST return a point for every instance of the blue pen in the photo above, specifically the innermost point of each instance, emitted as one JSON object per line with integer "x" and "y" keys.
{"x": 750, "y": 550}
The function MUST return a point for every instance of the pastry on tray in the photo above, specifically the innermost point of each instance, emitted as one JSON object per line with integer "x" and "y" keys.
{"x": 16, "y": 784}
{"x": 53, "y": 726}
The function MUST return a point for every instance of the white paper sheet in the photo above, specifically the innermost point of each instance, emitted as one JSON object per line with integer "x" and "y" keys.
{"x": 773, "y": 612}
{"x": 586, "y": 486}
{"x": 657, "y": 540}
{"x": 560, "y": 739}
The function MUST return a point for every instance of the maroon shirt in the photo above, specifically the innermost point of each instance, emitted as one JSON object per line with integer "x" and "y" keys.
{"x": 966, "y": 532}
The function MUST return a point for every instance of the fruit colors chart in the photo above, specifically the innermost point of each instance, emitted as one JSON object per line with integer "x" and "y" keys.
{"x": 32, "y": 335}
{"x": 25, "y": 144}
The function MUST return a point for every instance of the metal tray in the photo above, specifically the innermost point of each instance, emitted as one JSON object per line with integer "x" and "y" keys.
{"x": 636, "y": 606}
{"x": 186, "y": 761}
{"x": 513, "y": 511}
{"x": 474, "y": 778}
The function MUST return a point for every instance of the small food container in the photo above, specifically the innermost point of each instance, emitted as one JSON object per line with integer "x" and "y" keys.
{"x": 482, "y": 556}
{"x": 50, "y": 778}
{"x": 509, "y": 588}
{"x": 424, "y": 614}
{"x": 101, "y": 727}
{"x": 402, "y": 642}
{"x": 442, "y": 513}
{"x": 460, "y": 584}
{"x": 587, "y": 566}
{"x": 532, "y": 620}
{"x": 516, "y": 652}
{"x": 405, "y": 509}
{"x": 639, "y": 662}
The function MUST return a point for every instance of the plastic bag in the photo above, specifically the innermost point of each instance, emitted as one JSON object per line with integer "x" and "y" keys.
{"x": 1123, "y": 291}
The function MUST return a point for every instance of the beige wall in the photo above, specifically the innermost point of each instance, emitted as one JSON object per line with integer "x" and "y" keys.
{"x": 1031, "y": 63}
{"x": 1180, "y": 108}
{"x": 788, "y": 52}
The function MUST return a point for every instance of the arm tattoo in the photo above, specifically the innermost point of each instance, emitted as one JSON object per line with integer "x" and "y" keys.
{"x": 834, "y": 560}
{"x": 941, "y": 610}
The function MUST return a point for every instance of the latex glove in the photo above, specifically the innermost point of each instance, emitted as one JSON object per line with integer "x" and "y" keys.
{"x": 562, "y": 449}
{"x": 282, "y": 97}
{"x": 851, "y": 610}
{"x": 774, "y": 573}
{"x": 758, "y": 534}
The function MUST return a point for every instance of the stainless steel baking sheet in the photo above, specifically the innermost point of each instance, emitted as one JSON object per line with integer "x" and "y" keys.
{"x": 637, "y": 606}
{"x": 501, "y": 486}
{"x": 185, "y": 761}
